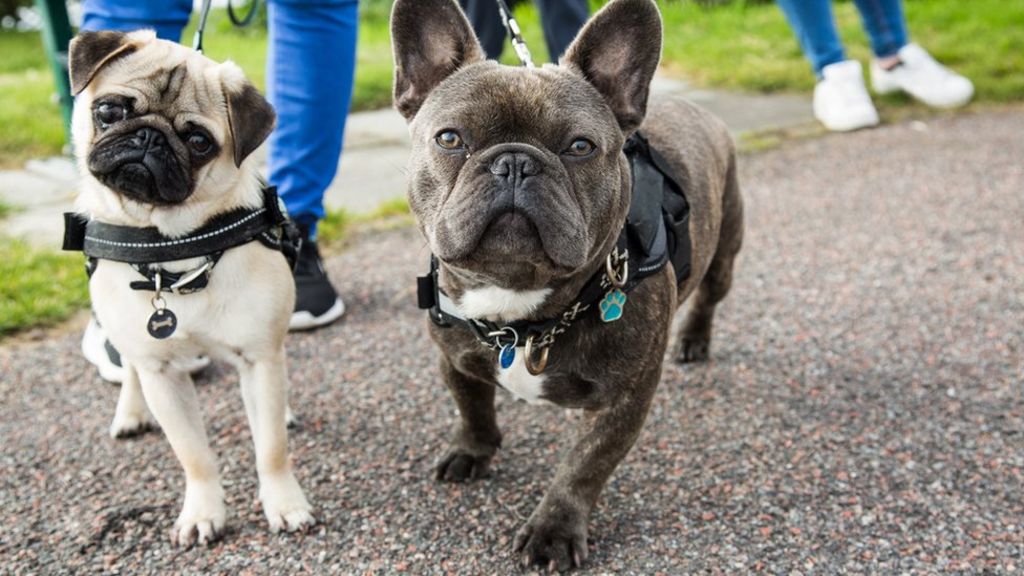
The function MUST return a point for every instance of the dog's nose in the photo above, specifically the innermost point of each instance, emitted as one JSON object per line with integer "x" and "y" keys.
{"x": 149, "y": 138}
{"x": 514, "y": 166}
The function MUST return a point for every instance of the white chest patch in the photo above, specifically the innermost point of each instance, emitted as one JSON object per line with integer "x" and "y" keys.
{"x": 500, "y": 304}
{"x": 518, "y": 380}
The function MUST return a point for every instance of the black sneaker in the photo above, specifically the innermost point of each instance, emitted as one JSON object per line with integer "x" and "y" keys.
{"x": 316, "y": 302}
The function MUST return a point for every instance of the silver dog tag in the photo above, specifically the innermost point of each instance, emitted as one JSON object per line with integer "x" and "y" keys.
{"x": 162, "y": 324}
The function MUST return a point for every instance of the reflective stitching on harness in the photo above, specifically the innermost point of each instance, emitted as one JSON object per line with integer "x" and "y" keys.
{"x": 179, "y": 241}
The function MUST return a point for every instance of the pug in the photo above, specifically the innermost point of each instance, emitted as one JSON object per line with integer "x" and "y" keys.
{"x": 520, "y": 186}
{"x": 163, "y": 138}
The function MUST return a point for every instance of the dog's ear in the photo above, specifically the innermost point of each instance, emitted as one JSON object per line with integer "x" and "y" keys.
{"x": 430, "y": 39}
{"x": 90, "y": 51}
{"x": 250, "y": 117}
{"x": 618, "y": 52}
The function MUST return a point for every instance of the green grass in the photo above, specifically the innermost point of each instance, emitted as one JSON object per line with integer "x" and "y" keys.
{"x": 750, "y": 47}
{"x": 335, "y": 227}
{"x": 38, "y": 288}
{"x": 740, "y": 46}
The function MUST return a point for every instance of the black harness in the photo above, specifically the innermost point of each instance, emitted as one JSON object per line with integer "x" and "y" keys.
{"x": 656, "y": 232}
{"x": 145, "y": 248}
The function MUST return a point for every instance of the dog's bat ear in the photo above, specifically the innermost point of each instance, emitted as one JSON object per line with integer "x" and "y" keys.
{"x": 430, "y": 39}
{"x": 618, "y": 52}
{"x": 91, "y": 51}
{"x": 250, "y": 117}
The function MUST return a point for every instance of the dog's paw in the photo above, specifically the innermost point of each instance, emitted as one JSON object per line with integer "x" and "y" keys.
{"x": 693, "y": 350}
{"x": 285, "y": 505}
{"x": 555, "y": 544}
{"x": 460, "y": 466}
{"x": 129, "y": 425}
{"x": 202, "y": 518}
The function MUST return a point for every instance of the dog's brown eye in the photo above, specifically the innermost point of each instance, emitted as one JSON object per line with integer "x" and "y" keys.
{"x": 199, "y": 142}
{"x": 450, "y": 140}
{"x": 580, "y": 147}
{"x": 108, "y": 113}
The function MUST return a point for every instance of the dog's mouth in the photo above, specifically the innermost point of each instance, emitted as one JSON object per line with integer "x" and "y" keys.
{"x": 511, "y": 235}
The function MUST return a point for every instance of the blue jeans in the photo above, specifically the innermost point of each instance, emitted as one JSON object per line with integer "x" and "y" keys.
{"x": 310, "y": 68}
{"x": 814, "y": 25}
{"x": 561, "y": 20}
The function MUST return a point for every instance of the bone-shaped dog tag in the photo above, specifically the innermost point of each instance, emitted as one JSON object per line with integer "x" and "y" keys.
{"x": 162, "y": 324}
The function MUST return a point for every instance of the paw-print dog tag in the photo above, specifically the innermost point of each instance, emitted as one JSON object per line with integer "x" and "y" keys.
{"x": 612, "y": 305}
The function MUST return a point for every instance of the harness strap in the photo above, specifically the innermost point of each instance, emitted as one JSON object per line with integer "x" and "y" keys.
{"x": 132, "y": 245}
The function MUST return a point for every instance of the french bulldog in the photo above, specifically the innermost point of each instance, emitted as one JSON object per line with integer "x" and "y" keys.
{"x": 163, "y": 137}
{"x": 520, "y": 186}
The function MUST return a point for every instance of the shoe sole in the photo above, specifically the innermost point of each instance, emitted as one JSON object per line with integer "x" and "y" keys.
{"x": 109, "y": 371}
{"x": 304, "y": 320}
{"x": 885, "y": 87}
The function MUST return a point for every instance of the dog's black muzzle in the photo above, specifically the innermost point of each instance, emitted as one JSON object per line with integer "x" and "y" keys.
{"x": 142, "y": 164}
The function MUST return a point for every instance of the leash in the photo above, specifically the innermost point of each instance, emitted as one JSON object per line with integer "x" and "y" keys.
{"x": 204, "y": 12}
{"x": 514, "y": 33}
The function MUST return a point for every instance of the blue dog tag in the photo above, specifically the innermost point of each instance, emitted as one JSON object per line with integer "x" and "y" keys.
{"x": 612, "y": 305}
{"x": 507, "y": 356}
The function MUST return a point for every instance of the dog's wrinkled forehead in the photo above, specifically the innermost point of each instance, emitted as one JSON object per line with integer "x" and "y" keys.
{"x": 169, "y": 80}
{"x": 503, "y": 103}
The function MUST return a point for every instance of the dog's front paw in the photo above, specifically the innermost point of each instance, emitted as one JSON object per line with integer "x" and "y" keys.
{"x": 285, "y": 505}
{"x": 557, "y": 542}
{"x": 128, "y": 425}
{"x": 692, "y": 350}
{"x": 461, "y": 466}
{"x": 202, "y": 517}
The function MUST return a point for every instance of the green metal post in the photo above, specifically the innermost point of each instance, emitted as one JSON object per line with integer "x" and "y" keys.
{"x": 56, "y": 36}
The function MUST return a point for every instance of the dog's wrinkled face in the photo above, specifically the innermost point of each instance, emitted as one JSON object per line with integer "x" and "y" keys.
{"x": 517, "y": 175}
{"x": 156, "y": 123}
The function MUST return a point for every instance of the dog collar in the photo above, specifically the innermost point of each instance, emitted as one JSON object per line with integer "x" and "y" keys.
{"x": 145, "y": 248}
{"x": 657, "y": 231}
{"x": 267, "y": 223}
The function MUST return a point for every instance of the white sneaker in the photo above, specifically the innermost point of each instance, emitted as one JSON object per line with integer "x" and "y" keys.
{"x": 841, "y": 100}
{"x": 102, "y": 354}
{"x": 919, "y": 75}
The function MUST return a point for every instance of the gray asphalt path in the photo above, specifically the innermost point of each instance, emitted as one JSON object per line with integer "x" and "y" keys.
{"x": 862, "y": 413}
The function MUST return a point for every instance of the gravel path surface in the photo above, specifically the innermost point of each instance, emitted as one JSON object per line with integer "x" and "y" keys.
{"x": 862, "y": 413}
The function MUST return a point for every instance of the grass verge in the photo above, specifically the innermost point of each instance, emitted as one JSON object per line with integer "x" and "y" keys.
{"x": 339, "y": 225}
{"x": 739, "y": 46}
{"x": 38, "y": 287}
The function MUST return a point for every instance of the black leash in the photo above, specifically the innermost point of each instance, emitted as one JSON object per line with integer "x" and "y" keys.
{"x": 515, "y": 34}
{"x": 197, "y": 40}
{"x": 204, "y": 12}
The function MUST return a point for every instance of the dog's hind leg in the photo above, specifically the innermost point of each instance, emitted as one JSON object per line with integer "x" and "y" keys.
{"x": 172, "y": 398}
{"x": 132, "y": 416}
{"x": 265, "y": 391}
{"x": 477, "y": 437}
{"x": 694, "y": 338}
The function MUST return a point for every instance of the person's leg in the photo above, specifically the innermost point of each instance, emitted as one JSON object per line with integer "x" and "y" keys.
{"x": 483, "y": 15}
{"x": 814, "y": 25}
{"x": 902, "y": 66}
{"x": 167, "y": 17}
{"x": 310, "y": 69}
{"x": 562, "y": 20}
{"x": 885, "y": 24}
